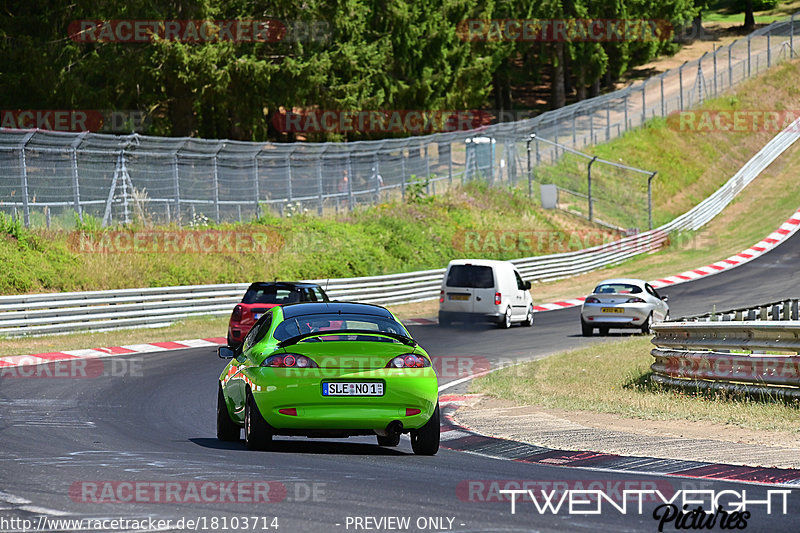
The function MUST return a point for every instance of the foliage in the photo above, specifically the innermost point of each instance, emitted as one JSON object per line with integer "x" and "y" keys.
{"x": 367, "y": 55}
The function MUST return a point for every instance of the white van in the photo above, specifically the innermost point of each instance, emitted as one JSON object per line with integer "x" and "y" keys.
{"x": 485, "y": 290}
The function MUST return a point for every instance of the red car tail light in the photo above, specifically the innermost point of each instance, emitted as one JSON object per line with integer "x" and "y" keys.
{"x": 498, "y": 298}
{"x": 409, "y": 360}
{"x": 411, "y": 412}
{"x": 236, "y": 316}
{"x": 291, "y": 411}
{"x": 289, "y": 360}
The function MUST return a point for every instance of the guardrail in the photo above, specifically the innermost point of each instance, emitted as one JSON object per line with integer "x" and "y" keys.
{"x": 754, "y": 357}
{"x": 97, "y": 310}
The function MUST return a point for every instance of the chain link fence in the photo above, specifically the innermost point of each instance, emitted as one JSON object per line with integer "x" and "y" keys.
{"x": 52, "y": 177}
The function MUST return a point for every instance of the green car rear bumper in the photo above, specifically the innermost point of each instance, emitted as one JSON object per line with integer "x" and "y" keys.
{"x": 301, "y": 389}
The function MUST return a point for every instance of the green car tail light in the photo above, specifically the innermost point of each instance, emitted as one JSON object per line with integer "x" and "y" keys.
{"x": 409, "y": 360}
{"x": 289, "y": 360}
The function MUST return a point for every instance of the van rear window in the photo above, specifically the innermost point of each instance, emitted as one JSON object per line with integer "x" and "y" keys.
{"x": 473, "y": 276}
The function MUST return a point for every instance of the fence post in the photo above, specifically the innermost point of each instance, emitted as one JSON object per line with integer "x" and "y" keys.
{"x": 107, "y": 214}
{"x": 349, "y": 184}
{"x": 749, "y": 57}
{"x": 730, "y": 65}
{"x": 574, "y": 138}
{"x": 650, "y": 200}
{"x": 23, "y": 164}
{"x": 450, "y": 162}
{"x": 680, "y": 83}
{"x": 791, "y": 36}
{"x": 289, "y": 193}
{"x": 663, "y": 103}
{"x": 589, "y": 186}
{"x": 625, "y": 102}
{"x": 608, "y": 119}
{"x": 256, "y": 191}
{"x": 769, "y": 49}
{"x": 320, "y": 192}
{"x": 715, "y": 69}
{"x": 216, "y": 189}
{"x": 427, "y": 172}
{"x": 530, "y": 169}
{"x": 177, "y": 186}
{"x": 644, "y": 105}
{"x": 76, "y": 193}
{"x": 403, "y": 173}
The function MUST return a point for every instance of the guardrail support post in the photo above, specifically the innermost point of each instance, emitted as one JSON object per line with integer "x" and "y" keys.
{"x": 650, "y": 200}
{"x": 589, "y": 186}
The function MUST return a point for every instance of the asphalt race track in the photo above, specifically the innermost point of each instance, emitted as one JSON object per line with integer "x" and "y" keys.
{"x": 65, "y": 441}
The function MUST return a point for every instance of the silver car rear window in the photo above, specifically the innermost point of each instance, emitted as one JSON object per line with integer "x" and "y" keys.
{"x": 617, "y": 288}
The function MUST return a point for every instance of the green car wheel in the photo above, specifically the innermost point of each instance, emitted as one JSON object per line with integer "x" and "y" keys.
{"x": 425, "y": 440}
{"x": 226, "y": 429}
{"x": 257, "y": 434}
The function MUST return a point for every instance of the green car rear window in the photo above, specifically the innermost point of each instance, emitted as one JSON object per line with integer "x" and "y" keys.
{"x": 336, "y": 323}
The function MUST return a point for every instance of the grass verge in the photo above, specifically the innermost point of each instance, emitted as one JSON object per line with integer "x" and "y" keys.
{"x": 616, "y": 382}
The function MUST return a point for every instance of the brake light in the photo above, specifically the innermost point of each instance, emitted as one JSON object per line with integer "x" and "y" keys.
{"x": 498, "y": 298}
{"x": 441, "y": 296}
{"x": 592, "y": 300}
{"x": 291, "y": 411}
{"x": 236, "y": 316}
{"x": 634, "y": 300}
{"x": 410, "y": 411}
{"x": 409, "y": 360}
{"x": 289, "y": 360}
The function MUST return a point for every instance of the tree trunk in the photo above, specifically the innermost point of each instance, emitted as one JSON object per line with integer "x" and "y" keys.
{"x": 557, "y": 95}
{"x": 749, "y": 17}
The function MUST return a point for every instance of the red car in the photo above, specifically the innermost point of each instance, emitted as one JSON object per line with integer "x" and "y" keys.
{"x": 261, "y": 296}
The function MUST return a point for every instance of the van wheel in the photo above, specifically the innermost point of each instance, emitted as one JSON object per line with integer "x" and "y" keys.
{"x": 529, "y": 317}
{"x": 505, "y": 322}
{"x": 444, "y": 320}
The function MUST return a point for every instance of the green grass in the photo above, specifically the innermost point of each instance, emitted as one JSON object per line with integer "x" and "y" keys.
{"x": 387, "y": 238}
{"x": 613, "y": 378}
{"x": 690, "y": 164}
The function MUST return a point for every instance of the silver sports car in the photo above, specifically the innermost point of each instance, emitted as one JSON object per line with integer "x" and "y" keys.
{"x": 622, "y": 303}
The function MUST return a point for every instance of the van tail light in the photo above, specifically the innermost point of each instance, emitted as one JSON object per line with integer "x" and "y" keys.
{"x": 441, "y": 296}
{"x": 236, "y": 316}
{"x": 498, "y": 298}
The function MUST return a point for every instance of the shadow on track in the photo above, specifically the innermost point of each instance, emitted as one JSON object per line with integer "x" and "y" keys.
{"x": 320, "y": 447}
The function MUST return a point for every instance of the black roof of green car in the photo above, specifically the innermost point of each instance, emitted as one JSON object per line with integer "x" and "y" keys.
{"x": 315, "y": 308}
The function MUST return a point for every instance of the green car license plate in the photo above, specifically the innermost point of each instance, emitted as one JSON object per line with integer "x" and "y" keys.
{"x": 352, "y": 388}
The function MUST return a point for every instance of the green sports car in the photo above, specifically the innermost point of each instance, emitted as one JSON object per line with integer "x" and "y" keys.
{"x": 329, "y": 370}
